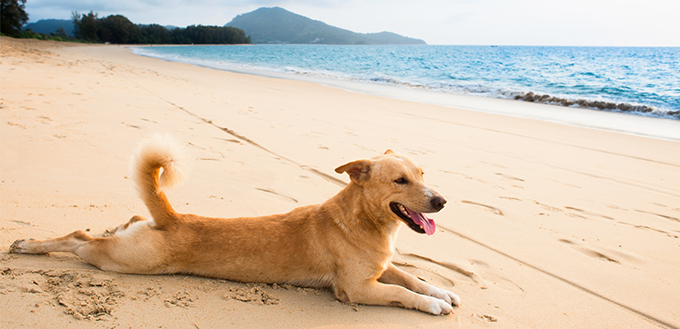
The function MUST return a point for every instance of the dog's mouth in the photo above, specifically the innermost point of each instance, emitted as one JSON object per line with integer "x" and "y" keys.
{"x": 415, "y": 220}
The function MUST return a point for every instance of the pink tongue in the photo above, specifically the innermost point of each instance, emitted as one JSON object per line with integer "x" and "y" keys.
{"x": 420, "y": 219}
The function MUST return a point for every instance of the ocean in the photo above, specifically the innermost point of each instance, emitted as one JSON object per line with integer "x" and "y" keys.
{"x": 636, "y": 81}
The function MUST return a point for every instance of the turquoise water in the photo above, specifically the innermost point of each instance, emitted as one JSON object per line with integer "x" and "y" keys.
{"x": 643, "y": 81}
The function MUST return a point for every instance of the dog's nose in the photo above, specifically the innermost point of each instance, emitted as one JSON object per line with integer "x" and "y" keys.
{"x": 437, "y": 203}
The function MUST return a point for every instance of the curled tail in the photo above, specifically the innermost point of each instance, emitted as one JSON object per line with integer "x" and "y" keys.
{"x": 152, "y": 155}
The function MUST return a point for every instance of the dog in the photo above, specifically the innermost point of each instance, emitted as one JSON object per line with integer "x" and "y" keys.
{"x": 345, "y": 244}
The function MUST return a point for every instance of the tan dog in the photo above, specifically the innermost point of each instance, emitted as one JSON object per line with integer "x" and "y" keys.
{"x": 345, "y": 243}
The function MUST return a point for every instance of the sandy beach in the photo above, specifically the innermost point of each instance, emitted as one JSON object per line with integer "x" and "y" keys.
{"x": 547, "y": 225}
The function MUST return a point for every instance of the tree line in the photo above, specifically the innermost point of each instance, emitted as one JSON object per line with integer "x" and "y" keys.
{"x": 12, "y": 16}
{"x": 117, "y": 29}
{"x": 120, "y": 30}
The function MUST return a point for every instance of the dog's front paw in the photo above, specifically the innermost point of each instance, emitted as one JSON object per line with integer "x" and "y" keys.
{"x": 439, "y": 306}
{"x": 445, "y": 295}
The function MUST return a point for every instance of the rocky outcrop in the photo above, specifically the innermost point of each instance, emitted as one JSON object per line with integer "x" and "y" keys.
{"x": 600, "y": 105}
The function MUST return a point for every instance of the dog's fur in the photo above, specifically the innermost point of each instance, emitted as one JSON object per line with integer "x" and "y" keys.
{"x": 346, "y": 243}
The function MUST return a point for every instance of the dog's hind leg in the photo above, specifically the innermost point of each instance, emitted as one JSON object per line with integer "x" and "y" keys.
{"x": 90, "y": 249}
{"x": 134, "y": 249}
{"x": 68, "y": 243}
{"x": 72, "y": 243}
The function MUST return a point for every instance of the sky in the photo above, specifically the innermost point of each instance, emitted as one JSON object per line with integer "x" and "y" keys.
{"x": 439, "y": 22}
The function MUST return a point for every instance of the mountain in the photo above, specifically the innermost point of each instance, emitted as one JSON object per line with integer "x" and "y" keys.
{"x": 277, "y": 25}
{"x": 47, "y": 26}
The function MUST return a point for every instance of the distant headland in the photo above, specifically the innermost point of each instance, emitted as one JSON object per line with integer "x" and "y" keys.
{"x": 279, "y": 26}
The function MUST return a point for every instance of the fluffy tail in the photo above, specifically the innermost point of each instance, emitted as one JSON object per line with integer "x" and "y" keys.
{"x": 152, "y": 155}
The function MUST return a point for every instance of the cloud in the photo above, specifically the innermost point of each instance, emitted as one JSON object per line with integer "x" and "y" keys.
{"x": 81, "y": 5}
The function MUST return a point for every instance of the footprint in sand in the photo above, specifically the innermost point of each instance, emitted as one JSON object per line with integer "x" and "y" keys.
{"x": 131, "y": 125}
{"x": 549, "y": 207}
{"x": 22, "y": 223}
{"x": 585, "y": 212}
{"x": 43, "y": 119}
{"x": 485, "y": 207}
{"x": 506, "y": 176}
{"x": 459, "y": 269}
{"x": 645, "y": 227}
{"x": 671, "y": 218}
{"x": 602, "y": 253}
{"x": 492, "y": 277}
{"x": 464, "y": 176}
{"x": 479, "y": 272}
{"x": 147, "y": 120}
{"x": 230, "y": 140}
{"x": 278, "y": 195}
{"x": 432, "y": 272}
{"x": 510, "y": 198}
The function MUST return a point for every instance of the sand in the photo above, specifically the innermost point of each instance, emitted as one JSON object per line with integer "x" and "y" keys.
{"x": 547, "y": 225}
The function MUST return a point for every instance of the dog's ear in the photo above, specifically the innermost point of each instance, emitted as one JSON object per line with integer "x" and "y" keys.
{"x": 359, "y": 171}
{"x": 389, "y": 151}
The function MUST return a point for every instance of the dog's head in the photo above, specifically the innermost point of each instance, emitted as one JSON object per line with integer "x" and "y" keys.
{"x": 394, "y": 183}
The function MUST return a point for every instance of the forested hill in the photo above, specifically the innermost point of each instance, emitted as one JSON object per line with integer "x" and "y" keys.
{"x": 47, "y": 26}
{"x": 277, "y": 25}
{"x": 118, "y": 29}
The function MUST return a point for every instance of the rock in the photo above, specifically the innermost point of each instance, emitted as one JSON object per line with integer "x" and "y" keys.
{"x": 600, "y": 105}
{"x": 624, "y": 107}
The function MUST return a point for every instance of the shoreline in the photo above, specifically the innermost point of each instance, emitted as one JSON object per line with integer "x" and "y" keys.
{"x": 547, "y": 225}
{"x": 615, "y": 121}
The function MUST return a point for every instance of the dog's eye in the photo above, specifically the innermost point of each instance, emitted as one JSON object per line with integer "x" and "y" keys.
{"x": 401, "y": 181}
